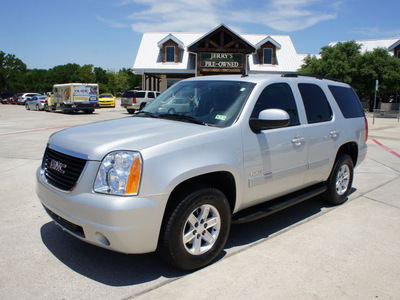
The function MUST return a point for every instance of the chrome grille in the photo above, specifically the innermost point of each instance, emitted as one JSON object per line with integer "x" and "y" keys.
{"x": 62, "y": 170}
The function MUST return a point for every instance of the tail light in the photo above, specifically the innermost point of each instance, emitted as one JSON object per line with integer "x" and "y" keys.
{"x": 41, "y": 101}
{"x": 366, "y": 129}
{"x": 134, "y": 100}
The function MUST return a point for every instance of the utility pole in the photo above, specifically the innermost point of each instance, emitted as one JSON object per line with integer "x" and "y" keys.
{"x": 376, "y": 89}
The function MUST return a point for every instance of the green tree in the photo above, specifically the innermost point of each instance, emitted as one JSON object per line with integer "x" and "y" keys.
{"x": 11, "y": 68}
{"x": 345, "y": 62}
{"x": 35, "y": 81}
{"x": 85, "y": 74}
{"x": 101, "y": 77}
{"x": 63, "y": 74}
{"x": 340, "y": 62}
{"x": 378, "y": 65}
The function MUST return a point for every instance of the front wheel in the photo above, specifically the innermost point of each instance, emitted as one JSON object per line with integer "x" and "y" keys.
{"x": 197, "y": 229}
{"x": 340, "y": 181}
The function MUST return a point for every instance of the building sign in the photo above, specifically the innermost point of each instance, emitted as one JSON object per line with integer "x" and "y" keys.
{"x": 221, "y": 60}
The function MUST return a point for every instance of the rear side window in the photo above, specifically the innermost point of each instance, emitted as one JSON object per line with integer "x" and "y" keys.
{"x": 140, "y": 94}
{"x": 315, "y": 102}
{"x": 348, "y": 101}
{"x": 150, "y": 94}
{"x": 134, "y": 94}
{"x": 129, "y": 94}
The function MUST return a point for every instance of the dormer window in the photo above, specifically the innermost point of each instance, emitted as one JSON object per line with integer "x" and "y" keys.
{"x": 170, "y": 53}
{"x": 267, "y": 51}
{"x": 267, "y": 56}
{"x": 171, "y": 49}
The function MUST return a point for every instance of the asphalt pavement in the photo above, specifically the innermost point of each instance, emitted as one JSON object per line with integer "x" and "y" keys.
{"x": 309, "y": 251}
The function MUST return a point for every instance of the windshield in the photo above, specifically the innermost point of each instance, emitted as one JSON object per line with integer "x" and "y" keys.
{"x": 105, "y": 96}
{"x": 216, "y": 103}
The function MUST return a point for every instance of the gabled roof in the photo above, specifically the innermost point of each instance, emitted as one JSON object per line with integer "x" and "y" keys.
{"x": 173, "y": 38}
{"x": 149, "y": 57}
{"x": 222, "y": 25}
{"x": 268, "y": 39}
{"x": 391, "y": 48}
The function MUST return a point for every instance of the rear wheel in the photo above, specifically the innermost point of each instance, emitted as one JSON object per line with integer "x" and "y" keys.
{"x": 142, "y": 105}
{"x": 196, "y": 230}
{"x": 340, "y": 181}
{"x": 131, "y": 111}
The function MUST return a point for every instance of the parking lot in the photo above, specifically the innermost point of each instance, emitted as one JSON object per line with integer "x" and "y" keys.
{"x": 310, "y": 251}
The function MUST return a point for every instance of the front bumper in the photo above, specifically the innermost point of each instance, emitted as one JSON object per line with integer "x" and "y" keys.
{"x": 119, "y": 223}
{"x": 107, "y": 104}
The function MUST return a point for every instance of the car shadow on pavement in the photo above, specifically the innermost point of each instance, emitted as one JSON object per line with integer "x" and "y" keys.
{"x": 102, "y": 265}
{"x": 247, "y": 233}
{"x": 117, "y": 269}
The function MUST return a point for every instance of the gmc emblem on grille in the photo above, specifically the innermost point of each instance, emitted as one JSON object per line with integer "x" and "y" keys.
{"x": 57, "y": 166}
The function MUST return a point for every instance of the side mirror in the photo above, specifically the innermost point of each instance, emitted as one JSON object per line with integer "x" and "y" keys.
{"x": 269, "y": 118}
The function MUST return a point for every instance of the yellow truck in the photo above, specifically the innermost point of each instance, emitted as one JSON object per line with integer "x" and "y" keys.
{"x": 70, "y": 97}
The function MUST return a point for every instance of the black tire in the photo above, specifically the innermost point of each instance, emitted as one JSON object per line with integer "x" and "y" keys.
{"x": 142, "y": 105}
{"x": 340, "y": 180}
{"x": 131, "y": 111}
{"x": 210, "y": 239}
{"x": 89, "y": 111}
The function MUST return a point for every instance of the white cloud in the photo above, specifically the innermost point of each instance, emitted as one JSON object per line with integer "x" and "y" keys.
{"x": 203, "y": 15}
{"x": 111, "y": 23}
{"x": 376, "y": 32}
{"x": 288, "y": 15}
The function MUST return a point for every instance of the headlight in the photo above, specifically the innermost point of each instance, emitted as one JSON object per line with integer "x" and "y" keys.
{"x": 119, "y": 173}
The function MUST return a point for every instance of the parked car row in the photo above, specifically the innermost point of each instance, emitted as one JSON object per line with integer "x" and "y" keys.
{"x": 9, "y": 98}
{"x": 16, "y": 98}
{"x": 132, "y": 101}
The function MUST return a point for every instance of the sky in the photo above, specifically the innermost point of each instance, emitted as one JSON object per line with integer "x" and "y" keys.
{"x": 107, "y": 33}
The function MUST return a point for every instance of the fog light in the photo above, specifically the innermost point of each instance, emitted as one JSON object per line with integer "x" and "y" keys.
{"x": 102, "y": 239}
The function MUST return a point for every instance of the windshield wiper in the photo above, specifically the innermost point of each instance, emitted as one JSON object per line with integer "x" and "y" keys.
{"x": 145, "y": 114}
{"x": 184, "y": 118}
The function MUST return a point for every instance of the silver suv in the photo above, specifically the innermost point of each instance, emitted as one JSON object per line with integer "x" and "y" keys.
{"x": 136, "y": 100}
{"x": 246, "y": 147}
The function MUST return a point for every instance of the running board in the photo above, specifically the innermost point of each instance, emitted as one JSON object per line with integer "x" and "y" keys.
{"x": 265, "y": 209}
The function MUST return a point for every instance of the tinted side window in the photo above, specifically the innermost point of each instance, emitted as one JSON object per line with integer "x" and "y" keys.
{"x": 278, "y": 95}
{"x": 315, "y": 103}
{"x": 129, "y": 94}
{"x": 140, "y": 94}
{"x": 348, "y": 101}
{"x": 150, "y": 94}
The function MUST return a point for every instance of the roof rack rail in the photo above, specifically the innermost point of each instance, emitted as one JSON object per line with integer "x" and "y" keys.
{"x": 295, "y": 75}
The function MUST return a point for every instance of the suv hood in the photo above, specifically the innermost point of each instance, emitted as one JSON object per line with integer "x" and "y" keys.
{"x": 95, "y": 140}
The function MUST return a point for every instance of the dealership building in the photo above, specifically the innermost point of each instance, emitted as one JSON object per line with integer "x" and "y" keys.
{"x": 166, "y": 58}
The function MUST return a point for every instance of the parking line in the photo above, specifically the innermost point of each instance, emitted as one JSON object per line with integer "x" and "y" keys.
{"x": 386, "y": 148}
{"x": 33, "y": 130}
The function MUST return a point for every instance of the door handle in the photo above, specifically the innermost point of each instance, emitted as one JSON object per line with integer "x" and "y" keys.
{"x": 334, "y": 133}
{"x": 298, "y": 140}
